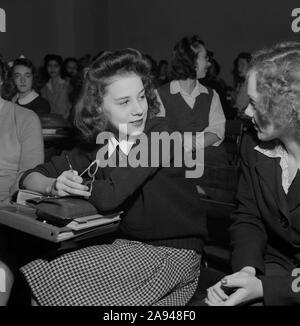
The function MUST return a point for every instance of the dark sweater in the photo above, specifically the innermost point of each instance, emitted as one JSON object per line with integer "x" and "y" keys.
{"x": 39, "y": 105}
{"x": 160, "y": 205}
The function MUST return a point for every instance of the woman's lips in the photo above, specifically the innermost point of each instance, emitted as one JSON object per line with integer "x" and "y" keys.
{"x": 137, "y": 123}
{"x": 256, "y": 127}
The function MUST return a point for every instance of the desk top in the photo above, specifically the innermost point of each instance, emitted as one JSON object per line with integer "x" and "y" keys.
{"x": 49, "y": 137}
{"x": 24, "y": 219}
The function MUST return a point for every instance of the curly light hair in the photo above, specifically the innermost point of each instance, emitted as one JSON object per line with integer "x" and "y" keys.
{"x": 278, "y": 83}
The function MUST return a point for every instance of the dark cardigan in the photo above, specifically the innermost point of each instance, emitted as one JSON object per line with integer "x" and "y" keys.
{"x": 265, "y": 233}
{"x": 161, "y": 206}
{"x": 39, "y": 105}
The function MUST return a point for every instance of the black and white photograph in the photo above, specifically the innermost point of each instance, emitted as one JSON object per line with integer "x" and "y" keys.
{"x": 149, "y": 156}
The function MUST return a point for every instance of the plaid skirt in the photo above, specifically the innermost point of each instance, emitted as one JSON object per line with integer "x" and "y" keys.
{"x": 125, "y": 273}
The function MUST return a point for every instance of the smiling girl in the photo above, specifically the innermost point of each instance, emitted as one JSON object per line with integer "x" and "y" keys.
{"x": 163, "y": 226}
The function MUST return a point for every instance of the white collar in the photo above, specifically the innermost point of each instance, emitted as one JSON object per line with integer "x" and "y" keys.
{"x": 176, "y": 88}
{"x": 27, "y": 99}
{"x": 124, "y": 145}
{"x": 277, "y": 151}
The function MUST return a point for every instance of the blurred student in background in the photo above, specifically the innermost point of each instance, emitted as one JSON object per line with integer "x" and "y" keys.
{"x": 56, "y": 90}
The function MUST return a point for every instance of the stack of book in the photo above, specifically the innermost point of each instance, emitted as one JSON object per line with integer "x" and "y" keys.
{"x": 20, "y": 216}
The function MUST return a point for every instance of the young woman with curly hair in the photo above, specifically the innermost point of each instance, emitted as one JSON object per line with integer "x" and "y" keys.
{"x": 157, "y": 261}
{"x": 265, "y": 233}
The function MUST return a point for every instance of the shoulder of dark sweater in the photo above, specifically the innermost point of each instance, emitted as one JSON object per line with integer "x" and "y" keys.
{"x": 164, "y": 88}
{"x": 40, "y": 100}
{"x": 250, "y": 141}
{"x": 39, "y": 105}
{"x": 158, "y": 124}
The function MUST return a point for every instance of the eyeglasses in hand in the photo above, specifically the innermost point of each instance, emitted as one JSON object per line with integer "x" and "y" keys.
{"x": 91, "y": 171}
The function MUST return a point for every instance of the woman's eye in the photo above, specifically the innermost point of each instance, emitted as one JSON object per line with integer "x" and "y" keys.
{"x": 142, "y": 97}
{"x": 124, "y": 102}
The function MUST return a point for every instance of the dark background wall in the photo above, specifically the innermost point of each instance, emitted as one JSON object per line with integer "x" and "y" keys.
{"x": 76, "y": 27}
{"x": 68, "y": 27}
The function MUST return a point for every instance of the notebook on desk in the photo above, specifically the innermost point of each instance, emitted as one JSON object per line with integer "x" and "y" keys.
{"x": 22, "y": 195}
{"x": 23, "y": 218}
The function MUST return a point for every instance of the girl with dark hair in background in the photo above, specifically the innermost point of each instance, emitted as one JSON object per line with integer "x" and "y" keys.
{"x": 56, "y": 90}
{"x": 190, "y": 106}
{"x": 239, "y": 97}
{"x": 23, "y": 75}
{"x": 195, "y": 110}
{"x": 162, "y": 73}
{"x": 70, "y": 68}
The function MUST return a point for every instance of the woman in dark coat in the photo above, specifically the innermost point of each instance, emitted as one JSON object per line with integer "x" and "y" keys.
{"x": 265, "y": 234}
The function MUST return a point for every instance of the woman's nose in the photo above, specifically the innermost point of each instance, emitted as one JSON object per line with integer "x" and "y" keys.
{"x": 249, "y": 111}
{"x": 137, "y": 109}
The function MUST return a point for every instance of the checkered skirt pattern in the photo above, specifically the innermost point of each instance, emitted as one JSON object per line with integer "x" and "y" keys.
{"x": 125, "y": 273}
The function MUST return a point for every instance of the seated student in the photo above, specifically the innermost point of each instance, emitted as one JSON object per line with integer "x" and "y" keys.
{"x": 194, "y": 108}
{"x": 21, "y": 142}
{"x": 56, "y": 89}
{"x": 70, "y": 68}
{"x": 21, "y": 148}
{"x": 190, "y": 106}
{"x": 162, "y": 73}
{"x": 265, "y": 233}
{"x": 23, "y": 75}
{"x": 157, "y": 261}
{"x": 239, "y": 96}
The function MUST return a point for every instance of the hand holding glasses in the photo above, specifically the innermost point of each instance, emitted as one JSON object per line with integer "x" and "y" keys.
{"x": 91, "y": 171}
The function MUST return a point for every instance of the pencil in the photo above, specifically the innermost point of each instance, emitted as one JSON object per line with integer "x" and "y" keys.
{"x": 69, "y": 163}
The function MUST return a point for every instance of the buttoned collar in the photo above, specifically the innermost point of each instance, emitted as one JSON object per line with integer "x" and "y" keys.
{"x": 27, "y": 99}
{"x": 176, "y": 88}
{"x": 278, "y": 151}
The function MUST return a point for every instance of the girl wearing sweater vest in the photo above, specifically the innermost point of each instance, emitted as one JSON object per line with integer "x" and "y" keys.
{"x": 157, "y": 259}
{"x": 195, "y": 109}
{"x": 190, "y": 106}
